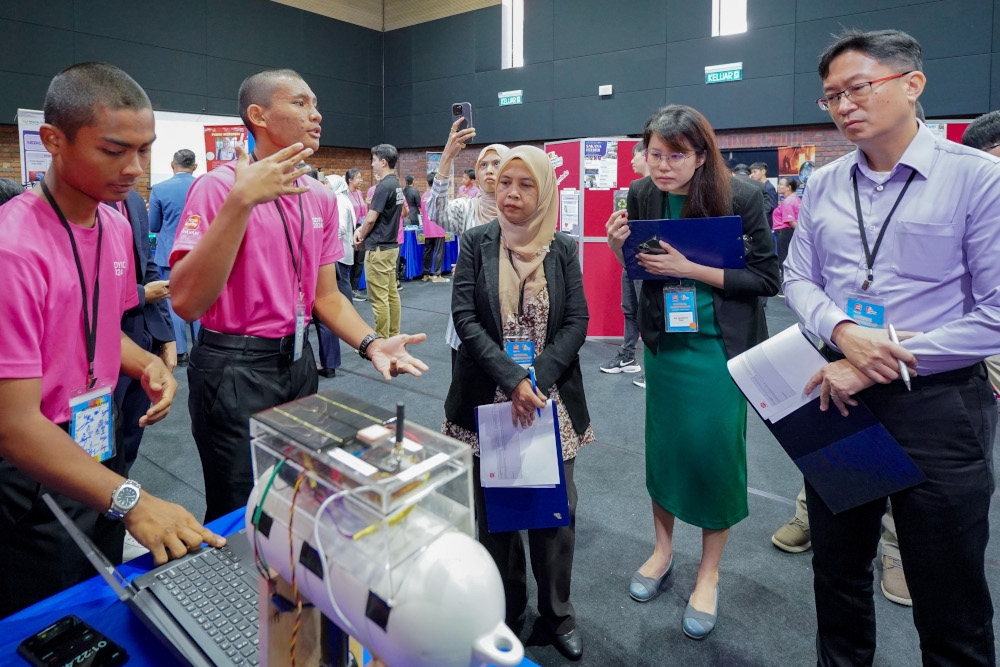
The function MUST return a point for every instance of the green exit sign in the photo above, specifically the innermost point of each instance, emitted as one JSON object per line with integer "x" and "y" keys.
{"x": 510, "y": 97}
{"x": 724, "y": 73}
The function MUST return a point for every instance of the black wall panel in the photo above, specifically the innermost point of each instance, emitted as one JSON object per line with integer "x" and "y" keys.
{"x": 19, "y": 50}
{"x": 767, "y": 13}
{"x": 996, "y": 27}
{"x": 627, "y": 70}
{"x": 431, "y": 129}
{"x": 995, "y": 85}
{"x": 179, "y": 24}
{"x": 810, "y": 10}
{"x": 398, "y": 101}
{"x": 151, "y": 66}
{"x": 443, "y": 48}
{"x": 535, "y": 80}
{"x": 957, "y": 86}
{"x": 437, "y": 95}
{"x": 56, "y": 14}
{"x": 623, "y": 113}
{"x": 766, "y": 101}
{"x": 397, "y": 57}
{"x": 488, "y": 28}
{"x": 764, "y": 53}
{"x": 20, "y": 91}
{"x": 688, "y": 20}
{"x": 585, "y": 27}
{"x": 539, "y": 30}
{"x": 502, "y": 125}
{"x": 808, "y": 89}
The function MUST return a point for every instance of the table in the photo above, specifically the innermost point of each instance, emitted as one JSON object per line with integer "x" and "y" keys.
{"x": 95, "y": 602}
{"x": 413, "y": 252}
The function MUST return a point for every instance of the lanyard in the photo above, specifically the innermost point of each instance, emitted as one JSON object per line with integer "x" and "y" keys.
{"x": 870, "y": 254}
{"x": 296, "y": 265}
{"x": 520, "y": 299}
{"x": 89, "y": 321}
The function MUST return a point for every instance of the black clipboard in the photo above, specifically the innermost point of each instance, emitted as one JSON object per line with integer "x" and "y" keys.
{"x": 714, "y": 242}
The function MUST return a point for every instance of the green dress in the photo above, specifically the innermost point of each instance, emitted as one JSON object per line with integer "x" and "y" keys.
{"x": 696, "y": 451}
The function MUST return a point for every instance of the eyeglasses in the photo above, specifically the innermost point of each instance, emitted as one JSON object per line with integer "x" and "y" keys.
{"x": 858, "y": 92}
{"x": 655, "y": 158}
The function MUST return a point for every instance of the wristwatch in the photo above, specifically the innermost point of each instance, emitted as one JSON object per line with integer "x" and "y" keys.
{"x": 123, "y": 499}
{"x": 365, "y": 342}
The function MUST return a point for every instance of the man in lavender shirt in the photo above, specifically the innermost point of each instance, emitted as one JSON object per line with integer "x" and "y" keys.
{"x": 935, "y": 206}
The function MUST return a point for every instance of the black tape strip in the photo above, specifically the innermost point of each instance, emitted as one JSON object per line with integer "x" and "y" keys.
{"x": 377, "y": 610}
{"x": 309, "y": 558}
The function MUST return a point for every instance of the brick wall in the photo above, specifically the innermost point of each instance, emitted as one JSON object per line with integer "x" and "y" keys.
{"x": 829, "y": 146}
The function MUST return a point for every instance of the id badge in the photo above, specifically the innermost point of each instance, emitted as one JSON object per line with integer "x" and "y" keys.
{"x": 521, "y": 350}
{"x": 300, "y": 330}
{"x": 91, "y": 421}
{"x": 868, "y": 310}
{"x": 680, "y": 307}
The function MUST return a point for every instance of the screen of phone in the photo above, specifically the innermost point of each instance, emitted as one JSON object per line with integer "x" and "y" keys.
{"x": 71, "y": 641}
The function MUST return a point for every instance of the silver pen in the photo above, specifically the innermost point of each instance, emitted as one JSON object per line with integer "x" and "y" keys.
{"x": 904, "y": 372}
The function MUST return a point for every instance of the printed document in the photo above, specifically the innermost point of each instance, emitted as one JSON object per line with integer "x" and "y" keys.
{"x": 511, "y": 456}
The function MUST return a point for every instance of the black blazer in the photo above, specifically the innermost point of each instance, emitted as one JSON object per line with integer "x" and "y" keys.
{"x": 482, "y": 364}
{"x": 738, "y": 308}
{"x": 151, "y": 317}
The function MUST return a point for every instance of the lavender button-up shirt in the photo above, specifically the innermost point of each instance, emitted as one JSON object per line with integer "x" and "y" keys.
{"x": 938, "y": 268}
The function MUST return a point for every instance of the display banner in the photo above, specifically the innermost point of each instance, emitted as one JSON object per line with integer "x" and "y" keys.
{"x": 35, "y": 160}
{"x": 221, "y": 142}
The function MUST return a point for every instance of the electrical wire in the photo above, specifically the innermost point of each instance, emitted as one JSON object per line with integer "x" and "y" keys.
{"x": 291, "y": 557}
{"x": 258, "y": 555}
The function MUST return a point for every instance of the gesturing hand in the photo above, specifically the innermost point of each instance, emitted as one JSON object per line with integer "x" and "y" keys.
{"x": 160, "y": 386}
{"x": 167, "y": 530}
{"x": 524, "y": 403}
{"x": 840, "y": 380}
{"x": 266, "y": 180}
{"x": 390, "y": 358}
{"x": 871, "y": 351}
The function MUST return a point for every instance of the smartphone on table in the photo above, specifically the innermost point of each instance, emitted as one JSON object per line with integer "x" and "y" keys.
{"x": 462, "y": 110}
{"x": 71, "y": 641}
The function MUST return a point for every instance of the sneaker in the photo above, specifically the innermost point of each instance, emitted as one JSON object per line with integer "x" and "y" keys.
{"x": 640, "y": 381}
{"x": 621, "y": 364}
{"x": 359, "y": 296}
{"x": 793, "y": 537}
{"x": 425, "y": 278}
{"x": 439, "y": 279}
{"x": 894, "y": 586}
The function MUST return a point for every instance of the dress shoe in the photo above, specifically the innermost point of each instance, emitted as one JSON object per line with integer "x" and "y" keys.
{"x": 698, "y": 624}
{"x": 569, "y": 644}
{"x": 327, "y": 372}
{"x": 644, "y": 589}
{"x": 183, "y": 359}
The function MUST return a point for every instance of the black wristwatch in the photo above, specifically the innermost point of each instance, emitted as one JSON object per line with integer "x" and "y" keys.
{"x": 365, "y": 342}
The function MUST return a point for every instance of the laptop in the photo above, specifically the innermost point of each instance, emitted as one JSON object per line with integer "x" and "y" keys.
{"x": 202, "y": 606}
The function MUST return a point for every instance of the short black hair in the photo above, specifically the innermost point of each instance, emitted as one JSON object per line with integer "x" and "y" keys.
{"x": 638, "y": 148}
{"x": 76, "y": 92}
{"x": 351, "y": 173}
{"x": 792, "y": 183}
{"x": 386, "y": 152}
{"x": 741, "y": 169}
{"x": 471, "y": 173}
{"x": 409, "y": 179}
{"x": 984, "y": 132}
{"x": 185, "y": 158}
{"x": 759, "y": 165}
{"x": 889, "y": 47}
{"x": 312, "y": 172}
{"x": 259, "y": 89}
{"x": 430, "y": 177}
{"x": 9, "y": 189}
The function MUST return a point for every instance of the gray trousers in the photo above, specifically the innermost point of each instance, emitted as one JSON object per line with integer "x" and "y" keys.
{"x": 630, "y": 309}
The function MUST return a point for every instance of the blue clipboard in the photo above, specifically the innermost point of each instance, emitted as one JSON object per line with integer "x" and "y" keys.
{"x": 526, "y": 508}
{"x": 714, "y": 242}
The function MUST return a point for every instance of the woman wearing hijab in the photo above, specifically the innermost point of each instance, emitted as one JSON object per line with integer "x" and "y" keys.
{"x": 354, "y": 182}
{"x": 695, "y": 416}
{"x": 516, "y": 276}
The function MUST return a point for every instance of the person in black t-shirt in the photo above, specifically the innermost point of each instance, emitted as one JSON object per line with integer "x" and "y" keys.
{"x": 412, "y": 197}
{"x": 380, "y": 234}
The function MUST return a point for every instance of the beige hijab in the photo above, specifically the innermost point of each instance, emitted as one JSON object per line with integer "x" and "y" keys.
{"x": 485, "y": 205}
{"x": 523, "y": 246}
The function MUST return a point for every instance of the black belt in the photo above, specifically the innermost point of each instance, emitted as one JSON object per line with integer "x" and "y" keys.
{"x": 954, "y": 376}
{"x": 284, "y": 345}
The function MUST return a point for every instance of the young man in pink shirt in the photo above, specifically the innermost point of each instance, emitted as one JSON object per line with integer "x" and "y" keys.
{"x": 68, "y": 278}
{"x": 254, "y": 256}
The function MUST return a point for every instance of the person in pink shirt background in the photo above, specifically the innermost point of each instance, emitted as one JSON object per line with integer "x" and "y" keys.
{"x": 468, "y": 187}
{"x": 786, "y": 216}
{"x": 433, "y": 239}
{"x": 354, "y": 182}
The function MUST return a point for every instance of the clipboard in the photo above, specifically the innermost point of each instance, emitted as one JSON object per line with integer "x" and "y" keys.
{"x": 850, "y": 460}
{"x": 714, "y": 242}
{"x": 529, "y": 507}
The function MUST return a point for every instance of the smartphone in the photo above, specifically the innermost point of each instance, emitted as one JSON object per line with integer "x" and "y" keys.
{"x": 651, "y": 247}
{"x": 70, "y": 641}
{"x": 462, "y": 110}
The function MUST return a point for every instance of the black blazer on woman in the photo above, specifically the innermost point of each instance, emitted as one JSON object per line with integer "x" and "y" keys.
{"x": 482, "y": 363}
{"x": 738, "y": 307}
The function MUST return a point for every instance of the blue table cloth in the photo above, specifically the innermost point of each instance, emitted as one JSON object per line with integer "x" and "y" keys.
{"x": 413, "y": 252}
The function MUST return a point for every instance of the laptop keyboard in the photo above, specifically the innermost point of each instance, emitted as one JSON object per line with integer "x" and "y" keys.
{"x": 212, "y": 587}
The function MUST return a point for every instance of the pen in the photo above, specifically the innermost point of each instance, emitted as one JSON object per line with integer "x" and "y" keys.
{"x": 903, "y": 370}
{"x": 534, "y": 387}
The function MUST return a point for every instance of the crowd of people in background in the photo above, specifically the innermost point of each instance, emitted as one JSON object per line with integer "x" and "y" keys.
{"x": 517, "y": 278}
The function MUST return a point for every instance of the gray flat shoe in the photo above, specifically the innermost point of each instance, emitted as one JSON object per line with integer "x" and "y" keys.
{"x": 698, "y": 624}
{"x": 644, "y": 589}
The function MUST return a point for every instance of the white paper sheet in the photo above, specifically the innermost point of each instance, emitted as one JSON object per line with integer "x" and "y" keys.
{"x": 773, "y": 374}
{"x": 513, "y": 456}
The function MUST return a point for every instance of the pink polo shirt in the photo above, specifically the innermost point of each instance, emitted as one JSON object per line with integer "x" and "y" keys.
{"x": 260, "y": 296}
{"x": 787, "y": 212}
{"x": 41, "y": 305}
{"x": 432, "y": 230}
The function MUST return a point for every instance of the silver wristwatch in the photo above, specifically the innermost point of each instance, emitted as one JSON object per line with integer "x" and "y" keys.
{"x": 123, "y": 499}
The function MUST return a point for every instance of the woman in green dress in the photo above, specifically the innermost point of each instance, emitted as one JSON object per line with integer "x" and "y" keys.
{"x": 695, "y": 415}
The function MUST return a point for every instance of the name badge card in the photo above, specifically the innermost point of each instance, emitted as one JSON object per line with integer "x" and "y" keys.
{"x": 680, "y": 306}
{"x": 868, "y": 310}
{"x": 300, "y": 330}
{"x": 521, "y": 350}
{"x": 90, "y": 421}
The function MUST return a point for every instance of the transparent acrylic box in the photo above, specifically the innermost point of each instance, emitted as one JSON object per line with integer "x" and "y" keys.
{"x": 374, "y": 520}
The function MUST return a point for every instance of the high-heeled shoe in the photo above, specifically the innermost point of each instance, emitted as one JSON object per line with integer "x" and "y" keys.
{"x": 644, "y": 589}
{"x": 698, "y": 624}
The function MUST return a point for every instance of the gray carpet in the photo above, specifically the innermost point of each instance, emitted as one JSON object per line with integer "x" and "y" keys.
{"x": 766, "y": 608}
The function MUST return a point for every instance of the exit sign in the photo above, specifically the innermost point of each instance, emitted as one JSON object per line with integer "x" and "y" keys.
{"x": 724, "y": 73}
{"x": 510, "y": 97}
